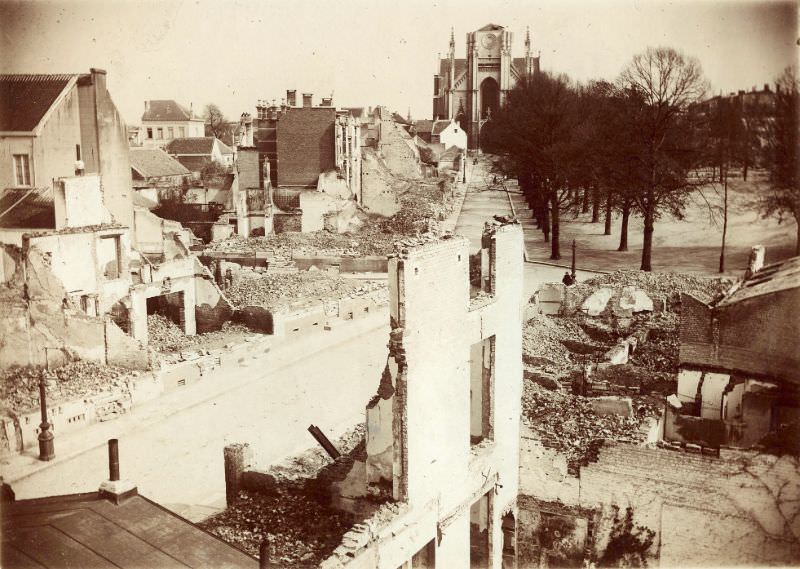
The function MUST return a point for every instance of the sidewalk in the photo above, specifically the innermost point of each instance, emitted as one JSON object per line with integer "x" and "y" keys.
{"x": 280, "y": 354}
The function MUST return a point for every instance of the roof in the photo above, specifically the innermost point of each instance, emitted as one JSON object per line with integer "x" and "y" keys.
{"x": 459, "y": 64}
{"x": 84, "y": 530}
{"x": 491, "y": 28}
{"x": 770, "y": 279}
{"x": 27, "y": 208}
{"x": 224, "y": 148}
{"x": 450, "y": 153}
{"x": 439, "y": 126}
{"x": 167, "y": 110}
{"x": 140, "y": 201}
{"x": 356, "y": 112}
{"x": 25, "y": 99}
{"x": 154, "y": 163}
{"x": 197, "y": 145}
{"x": 423, "y": 125}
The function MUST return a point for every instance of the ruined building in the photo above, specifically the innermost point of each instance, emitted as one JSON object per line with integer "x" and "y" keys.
{"x": 299, "y": 166}
{"x": 437, "y": 482}
{"x": 469, "y": 90}
{"x": 81, "y": 264}
{"x": 739, "y": 374}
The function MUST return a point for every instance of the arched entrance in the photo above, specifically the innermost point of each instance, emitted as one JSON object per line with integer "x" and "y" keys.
{"x": 490, "y": 97}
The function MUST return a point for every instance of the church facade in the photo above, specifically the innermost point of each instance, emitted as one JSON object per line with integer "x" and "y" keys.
{"x": 469, "y": 90}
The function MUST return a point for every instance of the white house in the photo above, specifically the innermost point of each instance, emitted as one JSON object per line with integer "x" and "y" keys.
{"x": 163, "y": 121}
{"x": 449, "y": 133}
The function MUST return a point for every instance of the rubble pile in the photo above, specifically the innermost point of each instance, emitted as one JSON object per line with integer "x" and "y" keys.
{"x": 660, "y": 352}
{"x": 275, "y": 290}
{"x": 166, "y": 336}
{"x": 543, "y": 339}
{"x": 422, "y": 208}
{"x": 301, "y": 529}
{"x": 657, "y": 285}
{"x": 567, "y": 422}
{"x": 301, "y": 532}
{"x": 19, "y": 385}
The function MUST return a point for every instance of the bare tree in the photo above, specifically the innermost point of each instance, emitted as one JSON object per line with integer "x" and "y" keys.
{"x": 668, "y": 83}
{"x": 215, "y": 121}
{"x": 783, "y": 197}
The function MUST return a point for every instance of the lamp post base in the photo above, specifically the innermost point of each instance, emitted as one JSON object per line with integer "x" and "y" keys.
{"x": 47, "y": 449}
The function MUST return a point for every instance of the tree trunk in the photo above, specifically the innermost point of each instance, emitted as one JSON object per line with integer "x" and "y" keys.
{"x": 555, "y": 253}
{"x": 585, "y": 206}
{"x": 596, "y": 205}
{"x": 607, "y": 228}
{"x": 724, "y": 223}
{"x": 623, "y": 230}
{"x": 647, "y": 245}
{"x": 546, "y": 224}
{"x": 797, "y": 243}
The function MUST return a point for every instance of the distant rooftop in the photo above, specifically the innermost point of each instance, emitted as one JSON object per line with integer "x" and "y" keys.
{"x": 167, "y": 110}
{"x": 777, "y": 277}
{"x": 154, "y": 163}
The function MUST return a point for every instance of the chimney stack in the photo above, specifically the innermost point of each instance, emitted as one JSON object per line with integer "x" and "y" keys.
{"x": 147, "y": 105}
{"x": 98, "y": 78}
{"x": 114, "y": 489}
{"x": 291, "y": 97}
{"x": 327, "y": 102}
{"x": 307, "y": 100}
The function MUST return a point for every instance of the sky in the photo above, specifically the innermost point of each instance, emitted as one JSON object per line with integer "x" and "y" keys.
{"x": 369, "y": 52}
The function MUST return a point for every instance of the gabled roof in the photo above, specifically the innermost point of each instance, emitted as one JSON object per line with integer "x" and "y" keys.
{"x": 439, "y": 126}
{"x": 773, "y": 278}
{"x": 154, "y": 163}
{"x": 450, "y": 153}
{"x": 198, "y": 145}
{"x": 423, "y": 125}
{"x": 167, "y": 110}
{"x": 459, "y": 64}
{"x": 85, "y": 530}
{"x": 491, "y": 28}
{"x": 224, "y": 148}
{"x": 25, "y": 99}
{"x": 27, "y": 208}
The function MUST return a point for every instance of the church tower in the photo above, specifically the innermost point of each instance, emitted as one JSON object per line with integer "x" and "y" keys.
{"x": 472, "y": 89}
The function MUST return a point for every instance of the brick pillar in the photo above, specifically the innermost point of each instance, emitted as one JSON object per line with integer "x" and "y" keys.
{"x": 237, "y": 459}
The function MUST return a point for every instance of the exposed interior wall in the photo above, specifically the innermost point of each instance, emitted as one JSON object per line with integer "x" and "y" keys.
{"x": 424, "y": 401}
{"x": 737, "y": 509}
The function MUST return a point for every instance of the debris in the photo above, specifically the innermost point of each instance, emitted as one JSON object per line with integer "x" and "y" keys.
{"x": 596, "y": 303}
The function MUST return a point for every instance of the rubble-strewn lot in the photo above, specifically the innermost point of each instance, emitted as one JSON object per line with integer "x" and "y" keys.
{"x": 301, "y": 529}
{"x": 19, "y": 385}
{"x": 556, "y": 349}
{"x": 166, "y": 336}
{"x": 668, "y": 285}
{"x": 275, "y": 290}
{"x": 422, "y": 208}
{"x": 568, "y": 423}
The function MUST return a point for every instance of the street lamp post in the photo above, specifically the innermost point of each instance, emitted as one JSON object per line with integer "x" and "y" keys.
{"x": 573, "y": 260}
{"x": 46, "y": 447}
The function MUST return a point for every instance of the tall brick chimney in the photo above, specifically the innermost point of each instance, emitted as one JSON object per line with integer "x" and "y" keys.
{"x": 291, "y": 97}
{"x": 307, "y": 100}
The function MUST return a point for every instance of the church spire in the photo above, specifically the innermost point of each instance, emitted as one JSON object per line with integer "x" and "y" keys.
{"x": 452, "y": 43}
{"x": 528, "y": 41}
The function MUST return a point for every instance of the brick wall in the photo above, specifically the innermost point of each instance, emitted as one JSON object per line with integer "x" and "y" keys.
{"x": 757, "y": 335}
{"x": 701, "y": 492}
{"x": 306, "y": 145}
{"x": 285, "y": 222}
{"x": 248, "y": 164}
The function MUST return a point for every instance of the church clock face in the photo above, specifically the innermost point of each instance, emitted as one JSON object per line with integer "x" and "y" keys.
{"x": 489, "y": 41}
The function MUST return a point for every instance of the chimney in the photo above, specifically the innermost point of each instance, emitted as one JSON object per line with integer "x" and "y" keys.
{"x": 147, "y": 106}
{"x": 766, "y": 87}
{"x": 291, "y": 97}
{"x": 326, "y": 101}
{"x": 756, "y": 261}
{"x": 114, "y": 489}
{"x": 98, "y": 78}
{"x": 307, "y": 100}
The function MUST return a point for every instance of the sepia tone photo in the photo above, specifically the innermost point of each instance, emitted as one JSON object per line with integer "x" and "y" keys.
{"x": 399, "y": 285}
